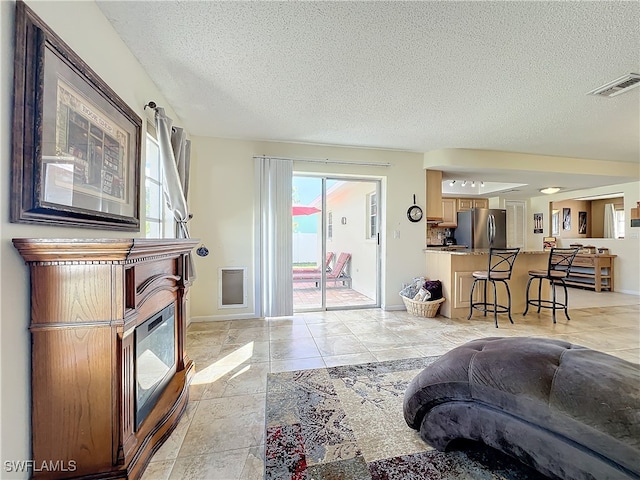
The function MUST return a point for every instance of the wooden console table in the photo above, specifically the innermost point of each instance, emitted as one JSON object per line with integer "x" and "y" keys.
{"x": 592, "y": 271}
{"x": 87, "y": 298}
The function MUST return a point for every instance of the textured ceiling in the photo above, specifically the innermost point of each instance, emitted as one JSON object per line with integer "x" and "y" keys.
{"x": 415, "y": 76}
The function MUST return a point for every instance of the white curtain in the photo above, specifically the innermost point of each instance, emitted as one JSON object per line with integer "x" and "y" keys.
{"x": 609, "y": 221}
{"x": 275, "y": 232}
{"x": 175, "y": 153}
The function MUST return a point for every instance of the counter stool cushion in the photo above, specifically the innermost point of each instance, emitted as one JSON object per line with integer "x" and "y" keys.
{"x": 494, "y": 275}
{"x": 544, "y": 273}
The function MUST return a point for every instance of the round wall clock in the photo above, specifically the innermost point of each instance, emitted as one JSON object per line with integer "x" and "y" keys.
{"x": 414, "y": 213}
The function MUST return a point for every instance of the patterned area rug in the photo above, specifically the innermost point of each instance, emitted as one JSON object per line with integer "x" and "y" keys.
{"x": 347, "y": 423}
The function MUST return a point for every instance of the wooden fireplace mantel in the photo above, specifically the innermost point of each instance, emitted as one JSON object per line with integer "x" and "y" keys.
{"x": 87, "y": 297}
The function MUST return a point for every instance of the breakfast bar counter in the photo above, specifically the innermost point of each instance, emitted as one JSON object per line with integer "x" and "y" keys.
{"x": 454, "y": 268}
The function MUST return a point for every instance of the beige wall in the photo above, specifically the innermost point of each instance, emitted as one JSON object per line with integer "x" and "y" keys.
{"x": 223, "y": 204}
{"x": 574, "y": 207}
{"x": 627, "y": 277}
{"x": 96, "y": 42}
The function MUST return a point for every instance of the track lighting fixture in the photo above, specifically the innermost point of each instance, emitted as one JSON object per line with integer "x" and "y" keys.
{"x": 451, "y": 183}
{"x": 464, "y": 183}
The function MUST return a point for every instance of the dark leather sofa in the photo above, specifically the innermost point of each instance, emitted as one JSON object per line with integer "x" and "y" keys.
{"x": 568, "y": 411}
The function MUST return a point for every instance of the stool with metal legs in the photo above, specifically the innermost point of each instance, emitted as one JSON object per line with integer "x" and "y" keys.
{"x": 560, "y": 261}
{"x": 499, "y": 270}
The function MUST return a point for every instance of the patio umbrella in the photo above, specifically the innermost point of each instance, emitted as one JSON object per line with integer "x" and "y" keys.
{"x": 303, "y": 210}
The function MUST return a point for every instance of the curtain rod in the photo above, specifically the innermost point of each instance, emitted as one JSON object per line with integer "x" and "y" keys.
{"x": 326, "y": 160}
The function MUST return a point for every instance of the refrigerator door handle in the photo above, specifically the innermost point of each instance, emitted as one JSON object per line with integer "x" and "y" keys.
{"x": 491, "y": 230}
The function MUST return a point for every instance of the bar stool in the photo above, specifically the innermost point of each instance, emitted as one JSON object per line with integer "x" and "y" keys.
{"x": 560, "y": 261}
{"x": 499, "y": 270}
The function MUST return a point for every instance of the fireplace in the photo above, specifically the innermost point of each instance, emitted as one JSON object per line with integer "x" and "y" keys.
{"x": 155, "y": 360}
{"x": 110, "y": 376}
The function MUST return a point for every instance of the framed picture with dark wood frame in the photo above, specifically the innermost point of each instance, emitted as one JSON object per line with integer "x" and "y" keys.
{"x": 76, "y": 144}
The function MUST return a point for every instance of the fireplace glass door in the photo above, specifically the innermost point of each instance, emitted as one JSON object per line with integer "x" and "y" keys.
{"x": 155, "y": 360}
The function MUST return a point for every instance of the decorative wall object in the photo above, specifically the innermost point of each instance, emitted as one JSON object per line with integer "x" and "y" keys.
{"x": 537, "y": 223}
{"x": 548, "y": 243}
{"x": 76, "y": 144}
{"x": 582, "y": 223}
{"x": 566, "y": 219}
{"x": 635, "y": 215}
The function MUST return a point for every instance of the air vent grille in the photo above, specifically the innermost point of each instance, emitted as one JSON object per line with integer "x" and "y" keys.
{"x": 618, "y": 86}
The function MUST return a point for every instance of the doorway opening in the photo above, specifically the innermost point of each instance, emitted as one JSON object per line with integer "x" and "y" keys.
{"x": 336, "y": 243}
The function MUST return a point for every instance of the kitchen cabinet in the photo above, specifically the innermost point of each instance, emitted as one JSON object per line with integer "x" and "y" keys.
{"x": 449, "y": 213}
{"x": 434, "y": 195}
{"x": 469, "y": 203}
{"x": 451, "y": 207}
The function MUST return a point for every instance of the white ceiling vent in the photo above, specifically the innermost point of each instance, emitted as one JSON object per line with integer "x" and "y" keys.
{"x": 618, "y": 86}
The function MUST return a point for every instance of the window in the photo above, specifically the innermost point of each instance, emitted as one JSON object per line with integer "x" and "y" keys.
{"x": 555, "y": 223}
{"x": 372, "y": 209}
{"x": 156, "y": 212}
{"x": 619, "y": 223}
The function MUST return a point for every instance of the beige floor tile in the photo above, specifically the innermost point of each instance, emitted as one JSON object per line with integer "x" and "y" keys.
{"x": 170, "y": 448}
{"x": 385, "y": 341}
{"x": 289, "y": 332}
{"x": 328, "y": 329}
{"x": 628, "y": 354}
{"x": 285, "y": 321}
{"x": 246, "y": 379}
{"x": 397, "y": 353}
{"x": 297, "y": 364}
{"x": 352, "y": 359}
{"x": 224, "y": 465}
{"x": 209, "y": 326}
{"x": 339, "y": 345}
{"x": 241, "y": 353}
{"x": 248, "y": 323}
{"x": 158, "y": 470}
{"x": 254, "y": 465}
{"x": 253, "y": 334}
{"x": 297, "y": 348}
{"x": 226, "y": 423}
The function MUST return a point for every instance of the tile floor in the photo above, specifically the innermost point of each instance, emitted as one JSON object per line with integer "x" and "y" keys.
{"x": 221, "y": 434}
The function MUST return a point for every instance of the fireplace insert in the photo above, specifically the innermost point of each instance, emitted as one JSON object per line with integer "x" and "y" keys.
{"x": 155, "y": 359}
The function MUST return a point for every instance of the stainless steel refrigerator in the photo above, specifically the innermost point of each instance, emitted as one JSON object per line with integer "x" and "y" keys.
{"x": 482, "y": 228}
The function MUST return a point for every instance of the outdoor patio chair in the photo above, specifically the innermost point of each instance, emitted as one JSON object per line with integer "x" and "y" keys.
{"x": 338, "y": 274}
{"x": 327, "y": 265}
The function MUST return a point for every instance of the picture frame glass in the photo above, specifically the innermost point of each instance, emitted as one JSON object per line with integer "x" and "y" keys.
{"x": 87, "y": 155}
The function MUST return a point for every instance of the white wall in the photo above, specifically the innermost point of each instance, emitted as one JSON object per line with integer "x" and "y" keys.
{"x": 627, "y": 276}
{"x": 222, "y": 200}
{"x": 83, "y": 27}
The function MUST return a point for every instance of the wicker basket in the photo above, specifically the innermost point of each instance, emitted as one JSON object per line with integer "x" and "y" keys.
{"x": 422, "y": 309}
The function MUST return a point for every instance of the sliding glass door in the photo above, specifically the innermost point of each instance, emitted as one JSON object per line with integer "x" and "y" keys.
{"x": 336, "y": 248}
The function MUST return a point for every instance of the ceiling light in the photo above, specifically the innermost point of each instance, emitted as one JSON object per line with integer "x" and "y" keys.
{"x": 473, "y": 183}
{"x": 451, "y": 183}
{"x": 482, "y": 184}
{"x": 550, "y": 190}
{"x": 464, "y": 184}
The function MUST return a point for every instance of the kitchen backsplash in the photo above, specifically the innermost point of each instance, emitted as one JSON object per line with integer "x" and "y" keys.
{"x": 435, "y": 235}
